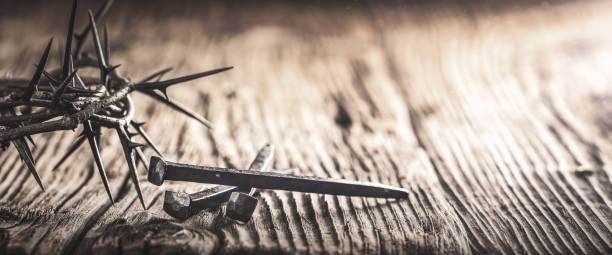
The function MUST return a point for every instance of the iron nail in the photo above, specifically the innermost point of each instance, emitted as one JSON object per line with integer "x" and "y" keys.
{"x": 160, "y": 170}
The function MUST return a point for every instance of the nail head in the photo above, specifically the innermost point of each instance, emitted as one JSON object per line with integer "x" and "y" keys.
{"x": 177, "y": 204}
{"x": 157, "y": 170}
{"x": 241, "y": 206}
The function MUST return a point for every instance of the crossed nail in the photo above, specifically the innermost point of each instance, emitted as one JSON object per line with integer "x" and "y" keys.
{"x": 239, "y": 194}
{"x": 241, "y": 202}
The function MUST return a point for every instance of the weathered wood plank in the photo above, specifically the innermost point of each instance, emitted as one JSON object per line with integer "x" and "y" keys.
{"x": 494, "y": 117}
{"x": 512, "y": 164}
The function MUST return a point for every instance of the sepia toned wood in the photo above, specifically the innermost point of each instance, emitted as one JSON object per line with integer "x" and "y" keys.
{"x": 495, "y": 116}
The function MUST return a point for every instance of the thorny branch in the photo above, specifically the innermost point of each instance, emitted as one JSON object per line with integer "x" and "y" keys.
{"x": 62, "y": 100}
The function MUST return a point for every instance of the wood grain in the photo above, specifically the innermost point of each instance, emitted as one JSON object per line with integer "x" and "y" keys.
{"x": 494, "y": 116}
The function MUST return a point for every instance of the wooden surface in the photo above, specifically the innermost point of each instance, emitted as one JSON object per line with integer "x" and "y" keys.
{"x": 496, "y": 117}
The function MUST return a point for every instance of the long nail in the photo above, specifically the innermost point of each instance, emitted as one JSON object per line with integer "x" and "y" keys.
{"x": 160, "y": 170}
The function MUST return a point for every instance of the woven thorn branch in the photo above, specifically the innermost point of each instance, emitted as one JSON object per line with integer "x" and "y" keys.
{"x": 63, "y": 100}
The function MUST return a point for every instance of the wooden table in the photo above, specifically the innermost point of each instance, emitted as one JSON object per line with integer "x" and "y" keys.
{"x": 496, "y": 117}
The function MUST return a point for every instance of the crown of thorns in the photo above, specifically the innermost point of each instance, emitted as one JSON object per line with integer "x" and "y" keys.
{"x": 62, "y": 100}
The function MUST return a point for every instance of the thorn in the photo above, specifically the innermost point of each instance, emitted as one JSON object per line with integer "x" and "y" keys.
{"x": 111, "y": 69}
{"x": 26, "y": 156}
{"x": 31, "y": 140}
{"x": 136, "y": 181}
{"x": 178, "y": 107}
{"x": 160, "y": 77}
{"x": 19, "y": 124}
{"x": 29, "y": 152}
{"x": 142, "y": 158}
{"x": 99, "y": 53}
{"x": 134, "y": 145}
{"x": 51, "y": 78}
{"x": 158, "y": 74}
{"x": 67, "y": 51}
{"x": 98, "y": 134}
{"x": 107, "y": 79}
{"x": 95, "y": 130}
{"x": 60, "y": 52}
{"x": 72, "y": 70}
{"x": 70, "y": 64}
{"x": 165, "y": 93}
{"x": 39, "y": 70}
{"x": 60, "y": 91}
{"x": 80, "y": 81}
{"x": 129, "y": 156}
{"x": 164, "y": 84}
{"x": 106, "y": 45}
{"x": 96, "y": 153}
{"x": 83, "y": 35}
{"x": 139, "y": 129}
{"x": 71, "y": 150}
